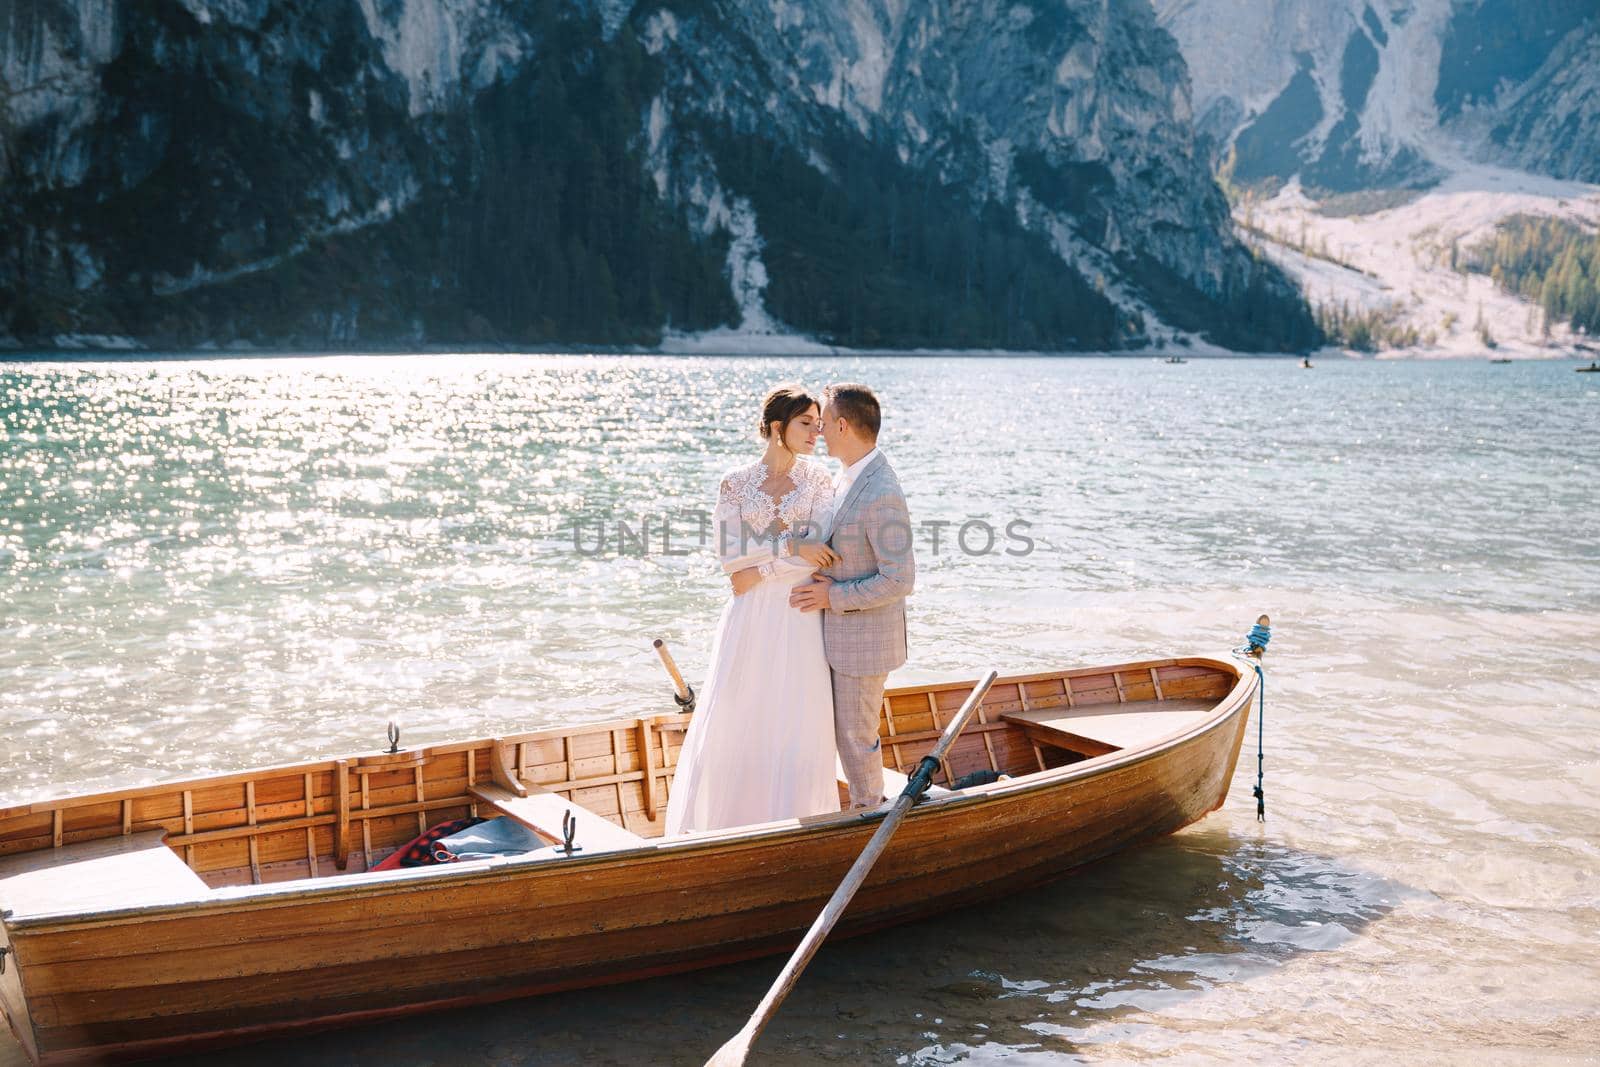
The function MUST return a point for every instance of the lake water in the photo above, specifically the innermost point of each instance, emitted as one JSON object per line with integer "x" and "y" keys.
{"x": 213, "y": 564}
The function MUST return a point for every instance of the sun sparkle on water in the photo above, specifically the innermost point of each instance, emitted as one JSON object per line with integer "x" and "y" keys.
{"x": 208, "y": 564}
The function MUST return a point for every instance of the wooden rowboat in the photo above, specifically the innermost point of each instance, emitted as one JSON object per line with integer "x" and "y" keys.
{"x": 145, "y": 921}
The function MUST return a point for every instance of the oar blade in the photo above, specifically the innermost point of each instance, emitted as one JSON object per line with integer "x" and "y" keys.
{"x": 734, "y": 1052}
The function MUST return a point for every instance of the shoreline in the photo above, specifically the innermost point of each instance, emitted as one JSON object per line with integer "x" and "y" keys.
{"x": 127, "y": 354}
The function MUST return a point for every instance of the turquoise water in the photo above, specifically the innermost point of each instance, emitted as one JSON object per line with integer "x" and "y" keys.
{"x": 210, "y": 564}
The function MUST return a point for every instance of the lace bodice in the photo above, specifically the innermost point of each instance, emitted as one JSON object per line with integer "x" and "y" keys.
{"x": 750, "y": 523}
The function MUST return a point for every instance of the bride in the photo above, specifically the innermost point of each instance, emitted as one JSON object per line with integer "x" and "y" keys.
{"x": 761, "y": 745}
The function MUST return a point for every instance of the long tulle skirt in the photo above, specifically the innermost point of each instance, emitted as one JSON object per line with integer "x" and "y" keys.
{"x": 760, "y": 746}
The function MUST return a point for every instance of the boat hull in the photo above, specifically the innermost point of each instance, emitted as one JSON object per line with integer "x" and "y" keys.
{"x": 156, "y": 980}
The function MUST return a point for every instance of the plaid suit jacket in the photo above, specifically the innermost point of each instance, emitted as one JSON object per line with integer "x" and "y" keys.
{"x": 864, "y": 628}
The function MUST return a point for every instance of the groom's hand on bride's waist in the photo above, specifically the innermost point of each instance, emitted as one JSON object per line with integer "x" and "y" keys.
{"x": 813, "y": 596}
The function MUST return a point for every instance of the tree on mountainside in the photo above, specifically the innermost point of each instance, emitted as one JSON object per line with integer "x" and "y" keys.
{"x": 1553, "y": 262}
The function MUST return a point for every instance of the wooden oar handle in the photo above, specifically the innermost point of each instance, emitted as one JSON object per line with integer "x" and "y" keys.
{"x": 685, "y": 694}
{"x": 920, "y": 779}
{"x": 737, "y": 1048}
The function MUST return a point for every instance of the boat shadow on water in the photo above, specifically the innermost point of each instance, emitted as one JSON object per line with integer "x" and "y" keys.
{"x": 1050, "y": 971}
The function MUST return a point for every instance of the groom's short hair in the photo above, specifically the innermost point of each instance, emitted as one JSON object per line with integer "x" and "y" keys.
{"x": 858, "y": 406}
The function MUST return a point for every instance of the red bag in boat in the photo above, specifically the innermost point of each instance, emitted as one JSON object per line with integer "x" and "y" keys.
{"x": 418, "y": 852}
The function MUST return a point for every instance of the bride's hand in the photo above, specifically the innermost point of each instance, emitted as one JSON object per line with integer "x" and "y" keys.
{"x": 745, "y": 580}
{"x": 819, "y": 555}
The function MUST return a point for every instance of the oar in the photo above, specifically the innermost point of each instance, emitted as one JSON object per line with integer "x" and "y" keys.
{"x": 685, "y": 695}
{"x": 738, "y": 1047}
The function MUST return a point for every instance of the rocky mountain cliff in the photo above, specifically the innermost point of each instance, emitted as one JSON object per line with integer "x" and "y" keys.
{"x": 883, "y": 173}
{"x": 1550, "y": 121}
{"x": 1357, "y": 94}
{"x": 1375, "y": 148}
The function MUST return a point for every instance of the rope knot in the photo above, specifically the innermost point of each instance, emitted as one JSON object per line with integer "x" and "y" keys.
{"x": 1258, "y": 637}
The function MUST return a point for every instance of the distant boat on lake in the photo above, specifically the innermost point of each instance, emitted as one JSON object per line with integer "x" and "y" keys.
{"x": 1176, "y": 359}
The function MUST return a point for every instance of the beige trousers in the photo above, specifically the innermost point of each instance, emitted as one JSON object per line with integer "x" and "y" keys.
{"x": 856, "y": 705}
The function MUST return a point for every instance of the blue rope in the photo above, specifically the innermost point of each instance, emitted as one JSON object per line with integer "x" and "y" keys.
{"x": 1255, "y": 644}
{"x": 1261, "y": 734}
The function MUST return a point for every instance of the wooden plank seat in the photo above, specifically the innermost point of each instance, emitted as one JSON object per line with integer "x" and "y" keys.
{"x": 542, "y": 811}
{"x": 1095, "y": 729}
{"x": 110, "y": 872}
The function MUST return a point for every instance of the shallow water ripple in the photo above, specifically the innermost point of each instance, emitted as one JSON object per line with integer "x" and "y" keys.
{"x": 209, "y": 564}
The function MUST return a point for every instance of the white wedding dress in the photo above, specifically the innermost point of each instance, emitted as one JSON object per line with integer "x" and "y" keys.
{"x": 760, "y": 746}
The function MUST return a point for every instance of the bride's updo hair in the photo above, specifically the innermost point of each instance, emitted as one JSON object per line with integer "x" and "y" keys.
{"x": 785, "y": 402}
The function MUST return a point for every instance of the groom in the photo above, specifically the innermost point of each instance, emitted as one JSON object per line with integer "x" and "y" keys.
{"x": 863, "y": 596}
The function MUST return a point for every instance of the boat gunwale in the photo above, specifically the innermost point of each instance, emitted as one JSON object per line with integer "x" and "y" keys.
{"x": 757, "y": 835}
{"x": 375, "y": 758}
